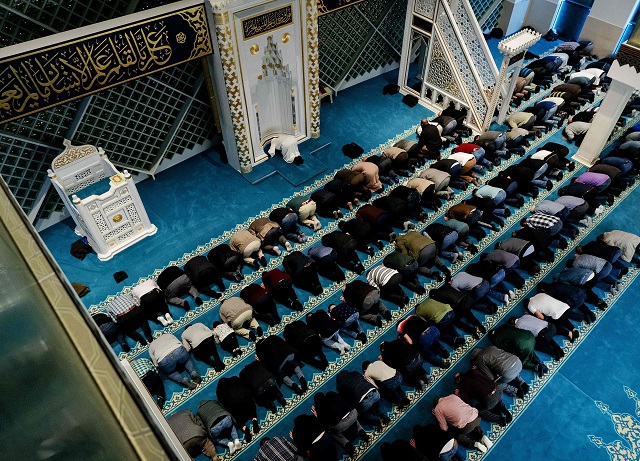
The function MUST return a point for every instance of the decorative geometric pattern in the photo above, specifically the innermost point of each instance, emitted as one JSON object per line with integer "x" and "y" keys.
{"x": 481, "y": 60}
{"x": 117, "y": 204}
{"x": 626, "y": 426}
{"x": 493, "y": 19}
{"x": 117, "y": 231}
{"x": 440, "y": 74}
{"x": 236, "y": 104}
{"x": 100, "y": 222}
{"x": 340, "y": 35}
{"x": 25, "y": 174}
{"x": 132, "y": 212}
{"x": 313, "y": 67}
{"x": 371, "y": 9}
{"x": 450, "y": 41}
{"x": 177, "y": 399}
{"x": 376, "y": 23}
{"x": 425, "y": 8}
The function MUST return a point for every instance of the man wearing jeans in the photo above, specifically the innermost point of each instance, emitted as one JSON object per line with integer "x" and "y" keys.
{"x": 148, "y": 374}
{"x": 219, "y": 423}
{"x": 353, "y": 387}
{"x": 417, "y": 332}
{"x": 168, "y": 354}
{"x": 462, "y": 421}
{"x": 387, "y": 379}
{"x": 328, "y": 329}
{"x": 348, "y": 317}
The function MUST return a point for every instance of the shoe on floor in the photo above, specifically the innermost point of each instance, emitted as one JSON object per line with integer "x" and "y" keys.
{"x": 162, "y": 321}
{"x": 486, "y": 442}
{"x": 232, "y": 448}
{"x": 481, "y": 448}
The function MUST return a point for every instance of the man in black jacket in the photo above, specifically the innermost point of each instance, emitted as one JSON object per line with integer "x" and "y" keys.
{"x": 366, "y": 299}
{"x": 307, "y": 342}
{"x": 203, "y": 274}
{"x": 263, "y": 385}
{"x": 280, "y": 358}
{"x": 352, "y": 386}
{"x": 429, "y": 140}
{"x": 174, "y": 282}
{"x": 407, "y": 360}
{"x": 303, "y": 272}
{"x": 340, "y": 417}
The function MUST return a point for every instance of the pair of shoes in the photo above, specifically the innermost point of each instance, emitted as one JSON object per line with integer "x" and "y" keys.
{"x": 303, "y": 385}
{"x": 481, "y": 448}
{"x": 288, "y": 246}
{"x": 296, "y": 305}
{"x": 445, "y": 364}
{"x": 408, "y": 225}
{"x": 219, "y": 366}
{"x": 297, "y": 389}
{"x": 378, "y": 322}
{"x": 541, "y": 369}
{"x": 364, "y": 436}
{"x": 512, "y": 295}
{"x": 162, "y": 321}
{"x": 392, "y": 237}
{"x": 237, "y": 444}
{"x": 232, "y": 447}
{"x": 191, "y": 385}
{"x": 602, "y": 305}
{"x": 199, "y": 301}
{"x": 196, "y": 377}
{"x": 573, "y": 335}
{"x": 404, "y": 403}
{"x": 369, "y": 250}
{"x": 506, "y": 299}
{"x": 362, "y": 337}
{"x": 255, "y": 426}
{"x": 486, "y": 442}
{"x": 248, "y": 437}
{"x": 387, "y": 315}
{"x": 458, "y": 341}
{"x": 277, "y": 251}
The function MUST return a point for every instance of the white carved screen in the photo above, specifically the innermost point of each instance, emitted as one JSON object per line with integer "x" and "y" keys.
{"x": 271, "y": 54}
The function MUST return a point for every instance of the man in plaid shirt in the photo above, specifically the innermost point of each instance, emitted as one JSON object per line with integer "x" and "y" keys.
{"x": 551, "y": 224}
{"x": 127, "y": 314}
{"x": 148, "y": 374}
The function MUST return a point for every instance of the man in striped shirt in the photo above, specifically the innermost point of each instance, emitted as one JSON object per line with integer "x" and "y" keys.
{"x": 388, "y": 281}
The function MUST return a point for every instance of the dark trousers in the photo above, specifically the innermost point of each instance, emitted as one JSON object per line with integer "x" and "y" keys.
{"x": 207, "y": 352}
{"x": 154, "y": 384}
{"x": 230, "y": 343}
{"x": 131, "y": 321}
{"x": 153, "y": 303}
{"x": 545, "y": 342}
{"x": 265, "y": 309}
{"x": 393, "y": 292}
{"x": 464, "y": 435}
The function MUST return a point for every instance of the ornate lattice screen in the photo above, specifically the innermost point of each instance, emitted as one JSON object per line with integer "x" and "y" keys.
{"x": 137, "y": 123}
{"x": 359, "y": 39}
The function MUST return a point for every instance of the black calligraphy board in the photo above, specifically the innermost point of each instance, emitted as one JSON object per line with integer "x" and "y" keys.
{"x": 327, "y": 6}
{"x": 43, "y": 78}
{"x": 266, "y": 22}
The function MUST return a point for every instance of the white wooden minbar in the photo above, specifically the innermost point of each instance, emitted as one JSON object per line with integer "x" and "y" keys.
{"x": 103, "y": 202}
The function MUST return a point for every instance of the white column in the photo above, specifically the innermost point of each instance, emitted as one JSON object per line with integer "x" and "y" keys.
{"x": 625, "y": 81}
{"x": 512, "y": 15}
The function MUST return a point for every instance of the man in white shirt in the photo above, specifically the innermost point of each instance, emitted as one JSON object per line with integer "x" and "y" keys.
{"x": 548, "y": 308}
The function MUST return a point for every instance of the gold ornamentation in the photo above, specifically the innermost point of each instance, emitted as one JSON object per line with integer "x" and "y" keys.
{"x": 116, "y": 178}
{"x": 197, "y": 20}
{"x": 236, "y": 106}
{"x": 313, "y": 70}
{"x": 72, "y": 153}
{"x": 181, "y": 38}
{"x": 254, "y": 49}
{"x": 34, "y": 81}
{"x": 266, "y": 22}
{"x": 117, "y": 218}
{"x": 286, "y": 37}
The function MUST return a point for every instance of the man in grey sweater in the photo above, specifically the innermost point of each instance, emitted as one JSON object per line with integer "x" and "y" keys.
{"x": 501, "y": 366}
{"x": 169, "y": 355}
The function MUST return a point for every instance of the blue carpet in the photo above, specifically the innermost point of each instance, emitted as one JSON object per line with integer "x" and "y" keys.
{"x": 215, "y": 198}
{"x": 568, "y": 399}
{"x": 200, "y": 198}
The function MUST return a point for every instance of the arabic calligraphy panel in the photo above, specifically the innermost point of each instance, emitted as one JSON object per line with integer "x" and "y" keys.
{"x": 38, "y": 80}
